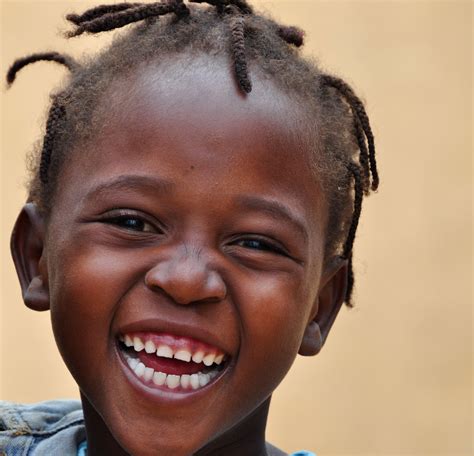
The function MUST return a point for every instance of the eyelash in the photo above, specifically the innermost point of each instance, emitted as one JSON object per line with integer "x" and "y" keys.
{"x": 120, "y": 220}
{"x": 266, "y": 245}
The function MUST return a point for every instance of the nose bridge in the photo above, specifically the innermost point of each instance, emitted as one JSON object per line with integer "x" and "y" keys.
{"x": 190, "y": 263}
{"x": 187, "y": 275}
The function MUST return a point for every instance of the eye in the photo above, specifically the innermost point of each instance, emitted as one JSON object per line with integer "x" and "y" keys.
{"x": 131, "y": 222}
{"x": 261, "y": 245}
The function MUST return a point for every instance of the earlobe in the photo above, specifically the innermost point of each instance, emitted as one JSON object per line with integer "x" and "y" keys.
{"x": 312, "y": 340}
{"x": 328, "y": 303}
{"x": 27, "y": 248}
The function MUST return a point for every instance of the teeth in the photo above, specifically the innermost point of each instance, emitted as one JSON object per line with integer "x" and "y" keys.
{"x": 209, "y": 359}
{"x": 185, "y": 381}
{"x": 132, "y": 362}
{"x": 164, "y": 351}
{"x": 159, "y": 378}
{"x": 172, "y": 381}
{"x": 150, "y": 347}
{"x": 183, "y": 355}
{"x": 148, "y": 375}
{"x": 138, "y": 344}
{"x": 194, "y": 381}
{"x": 198, "y": 357}
{"x": 140, "y": 369}
{"x": 204, "y": 379}
{"x": 128, "y": 341}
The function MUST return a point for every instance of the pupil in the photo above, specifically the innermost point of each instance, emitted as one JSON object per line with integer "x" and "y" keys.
{"x": 257, "y": 245}
{"x": 133, "y": 224}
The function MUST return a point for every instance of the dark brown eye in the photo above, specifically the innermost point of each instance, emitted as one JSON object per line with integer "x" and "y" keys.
{"x": 132, "y": 223}
{"x": 261, "y": 245}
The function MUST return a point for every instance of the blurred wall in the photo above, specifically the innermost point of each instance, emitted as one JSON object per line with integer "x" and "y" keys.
{"x": 396, "y": 374}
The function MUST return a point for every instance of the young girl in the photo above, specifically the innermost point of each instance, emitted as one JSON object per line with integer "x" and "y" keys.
{"x": 189, "y": 225}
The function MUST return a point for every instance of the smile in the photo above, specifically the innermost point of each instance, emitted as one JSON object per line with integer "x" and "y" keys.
{"x": 171, "y": 362}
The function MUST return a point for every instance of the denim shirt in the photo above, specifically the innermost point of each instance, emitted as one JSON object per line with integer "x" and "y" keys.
{"x": 50, "y": 428}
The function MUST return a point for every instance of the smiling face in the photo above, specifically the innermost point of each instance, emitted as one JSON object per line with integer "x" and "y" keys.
{"x": 191, "y": 226}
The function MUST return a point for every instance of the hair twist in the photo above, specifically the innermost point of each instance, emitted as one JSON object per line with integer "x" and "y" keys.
{"x": 292, "y": 35}
{"x": 100, "y": 11}
{"x": 56, "y": 116}
{"x": 18, "y": 64}
{"x": 237, "y": 27}
{"x": 113, "y": 20}
{"x": 358, "y": 111}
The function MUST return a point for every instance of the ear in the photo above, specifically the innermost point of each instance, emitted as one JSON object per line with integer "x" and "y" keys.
{"x": 332, "y": 293}
{"x": 26, "y": 243}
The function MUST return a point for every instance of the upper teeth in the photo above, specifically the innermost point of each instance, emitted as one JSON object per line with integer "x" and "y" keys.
{"x": 166, "y": 351}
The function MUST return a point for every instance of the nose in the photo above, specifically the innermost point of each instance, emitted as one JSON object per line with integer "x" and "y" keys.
{"x": 187, "y": 278}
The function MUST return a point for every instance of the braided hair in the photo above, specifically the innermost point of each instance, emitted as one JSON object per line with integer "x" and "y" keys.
{"x": 346, "y": 150}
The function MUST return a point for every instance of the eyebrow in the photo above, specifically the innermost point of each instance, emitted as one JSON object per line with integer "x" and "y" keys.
{"x": 130, "y": 182}
{"x": 275, "y": 210}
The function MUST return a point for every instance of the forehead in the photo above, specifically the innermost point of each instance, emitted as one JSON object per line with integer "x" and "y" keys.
{"x": 201, "y": 96}
{"x": 187, "y": 120}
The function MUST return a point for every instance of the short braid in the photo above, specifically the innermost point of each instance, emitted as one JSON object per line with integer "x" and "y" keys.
{"x": 103, "y": 18}
{"x": 355, "y": 174}
{"x": 354, "y": 171}
{"x": 236, "y": 10}
{"x": 292, "y": 35}
{"x": 237, "y": 27}
{"x": 111, "y": 21}
{"x": 360, "y": 175}
{"x": 358, "y": 110}
{"x": 57, "y": 111}
{"x": 56, "y": 116}
{"x": 62, "y": 59}
{"x": 364, "y": 153}
{"x": 99, "y": 11}
{"x": 350, "y": 282}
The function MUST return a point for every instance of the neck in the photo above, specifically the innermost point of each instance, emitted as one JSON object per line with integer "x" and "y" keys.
{"x": 99, "y": 439}
{"x": 247, "y": 437}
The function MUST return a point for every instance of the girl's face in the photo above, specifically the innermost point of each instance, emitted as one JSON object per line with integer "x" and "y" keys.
{"x": 193, "y": 225}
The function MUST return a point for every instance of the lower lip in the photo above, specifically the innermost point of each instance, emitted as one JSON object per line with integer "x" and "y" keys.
{"x": 164, "y": 394}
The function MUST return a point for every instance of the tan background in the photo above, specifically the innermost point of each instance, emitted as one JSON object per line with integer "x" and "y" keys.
{"x": 396, "y": 374}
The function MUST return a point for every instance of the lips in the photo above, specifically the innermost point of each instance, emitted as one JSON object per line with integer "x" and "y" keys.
{"x": 172, "y": 362}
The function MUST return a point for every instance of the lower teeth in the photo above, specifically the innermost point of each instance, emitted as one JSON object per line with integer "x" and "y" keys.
{"x": 185, "y": 381}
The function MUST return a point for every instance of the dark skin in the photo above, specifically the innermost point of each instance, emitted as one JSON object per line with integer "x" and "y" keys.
{"x": 197, "y": 213}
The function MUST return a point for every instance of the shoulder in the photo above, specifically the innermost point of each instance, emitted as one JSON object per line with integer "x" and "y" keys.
{"x": 38, "y": 427}
{"x": 40, "y": 417}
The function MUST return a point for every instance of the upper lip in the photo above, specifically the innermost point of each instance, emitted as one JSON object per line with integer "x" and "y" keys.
{"x": 177, "y": 329}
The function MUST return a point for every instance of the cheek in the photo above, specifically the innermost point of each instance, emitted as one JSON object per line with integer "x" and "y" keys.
{"x": 85, "y": 288}
{"x": 273, "y": 324}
